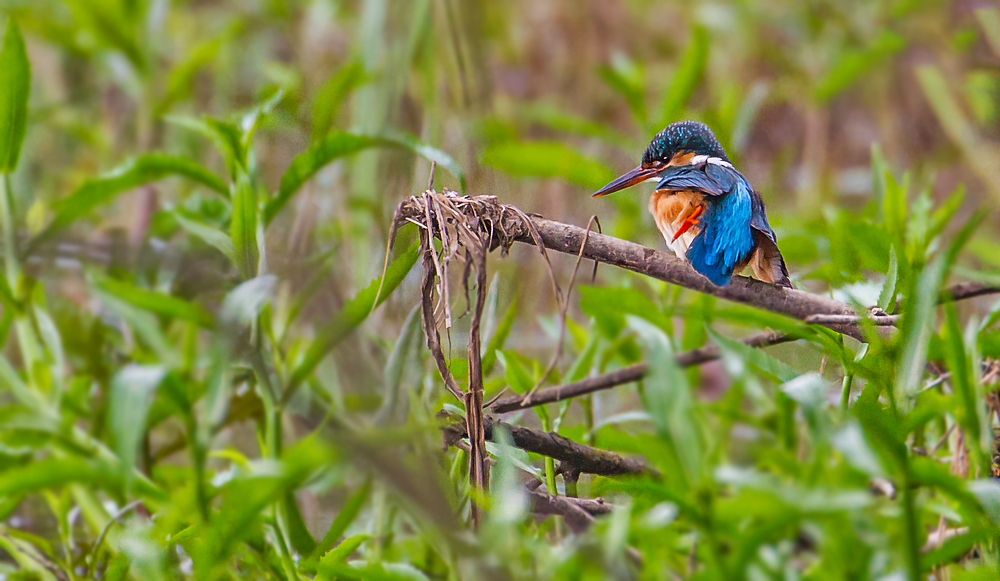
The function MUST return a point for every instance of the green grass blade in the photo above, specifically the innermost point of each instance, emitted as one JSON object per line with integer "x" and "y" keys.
{"x": 132, "y": 392}
{"x": 331, "y": 96}
{"x": 243, "y": 228}
{"x": 298, "y": 535}
{"x": 156, "y": 302}
{"x": 347, "y": 515}
{"x": 406, "y": 349}
{"x": 547, "y": 159}
{"x": 140, "y": 170}
{"x": 208, "y": 234}
{"x": 354, "y": 312}
{"x": 15, "y": 84}
{"x": 887, "y": 297}
{"x": 687, "y": 76}
{"x": 341, "y": 144}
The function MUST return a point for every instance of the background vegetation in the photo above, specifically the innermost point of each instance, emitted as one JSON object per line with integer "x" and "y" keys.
{"x": 195, "y": 381}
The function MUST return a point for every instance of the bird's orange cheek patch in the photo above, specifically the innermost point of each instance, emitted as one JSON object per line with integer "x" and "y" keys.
{"x": 681, "y": 159}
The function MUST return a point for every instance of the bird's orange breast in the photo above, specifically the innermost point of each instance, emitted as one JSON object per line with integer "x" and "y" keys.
{"x": 670, "y": 209}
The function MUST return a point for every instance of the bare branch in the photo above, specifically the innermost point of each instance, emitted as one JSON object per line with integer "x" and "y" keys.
{"x": 627, "y": 374}
{"x": 583, "y": 458}
{"x": 507, "y": 224}
{"x": 577, "y": 512}
{"x": 967, "y": 290}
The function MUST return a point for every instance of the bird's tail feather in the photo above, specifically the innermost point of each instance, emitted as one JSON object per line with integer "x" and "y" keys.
{"x": 767, "y": 263}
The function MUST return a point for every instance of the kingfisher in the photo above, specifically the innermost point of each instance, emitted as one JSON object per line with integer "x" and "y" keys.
{"x": 706, "y": 210}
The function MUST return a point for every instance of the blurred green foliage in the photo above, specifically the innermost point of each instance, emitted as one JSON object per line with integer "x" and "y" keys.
{"x": 201, "y": 379}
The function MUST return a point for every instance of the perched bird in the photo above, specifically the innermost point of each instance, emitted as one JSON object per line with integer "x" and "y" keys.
{"x": 705, "y": 209}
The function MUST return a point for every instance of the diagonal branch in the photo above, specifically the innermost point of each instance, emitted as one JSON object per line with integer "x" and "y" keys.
{"x": 507, "y": 224}
{"x": 627, "y": 374}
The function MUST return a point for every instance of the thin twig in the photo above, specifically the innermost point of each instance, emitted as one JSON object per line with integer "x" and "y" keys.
{"x": 427, "y": 317}
{"x": 104, "y": 533}
{"x": 563, "y": 311}
{"x": 430, "y": 179}
{"x": 627, "y": 374}
{"x": 877, "y": 320}
{"x": 479, "y": 465}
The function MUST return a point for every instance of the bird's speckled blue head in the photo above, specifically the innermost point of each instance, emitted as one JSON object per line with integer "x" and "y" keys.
{"x": 680, "y": 138}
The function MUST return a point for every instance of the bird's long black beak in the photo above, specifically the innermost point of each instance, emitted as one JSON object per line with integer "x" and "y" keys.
{"x": 639, "y": 174}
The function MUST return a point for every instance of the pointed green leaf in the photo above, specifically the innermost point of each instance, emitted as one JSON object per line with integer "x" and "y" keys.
{"x": 687, "y": 76}
{"x": 132, "y": 391}
{"x": 243, "y": 227}
{"x": 298, "y": 534}
{"x": 330, "y": 96}
{"x": 498, "y": 338}
{"x": 157, "y": 302}
{"x": 757, "y": 358}
{"x": 15, "y": 84}
{"x": 341, "y": 144}
{"x": 140, "y": 170}
{"x": 887, "y": 298}
{"x": 547, "y": 159}
{"x": 667, "y": 399}
{"x": 354, "y": 312}
{"x": 208, "y": 234}
{"x": 342, "y": 551}
{"x": 347, "y": 515}
{"x": 407, "y": 347}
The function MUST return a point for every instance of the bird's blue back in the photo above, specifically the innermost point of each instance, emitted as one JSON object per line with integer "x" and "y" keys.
{"x": 725, "y": 240}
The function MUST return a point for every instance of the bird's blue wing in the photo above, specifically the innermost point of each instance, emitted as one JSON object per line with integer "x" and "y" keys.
{"x": 690, "y": 177}
{"x": 726, "y": 239}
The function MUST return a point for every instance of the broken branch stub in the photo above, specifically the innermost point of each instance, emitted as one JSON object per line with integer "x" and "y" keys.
{"x": 466, "y": 244}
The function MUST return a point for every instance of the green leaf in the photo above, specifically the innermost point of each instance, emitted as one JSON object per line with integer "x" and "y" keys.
{"x": 243, "y": 228}
{"x": 547, "y": 159}
{"x": 516, "y": 375}
{"x": 354, "y": 312}
{"x": 406, "y": 349}
{"x": 15, "y": 84}
{"x": 298, "y": 534}
{"x": 945, "y": 212}
{"x": 341, "y": 144}
{"x": 666, "y": 396}
{"x": 963, "y": 381}
{"x": 887, "y": 297}
{"x": 181, "y": 78}
{"x": 347, "y": 515}
{"x": 343, "y": 550}
{"x": 140, "y": 170}
{"x": 55, "y": 472}
{"x": 610, "y": 305}
{"x": 157, "y": 302}
{"x": 208, "y": 234}
{"x": 332, "y": 94}
{"x": 224, "y": 135}
{"x": 853, "y": 63}
{"x": 132, "y": 391}
{"x": 626, "y": 78}
{"x": 498, "y": 338}
{"x": 756, "y": 358}
{"x": 687, "y": 76}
